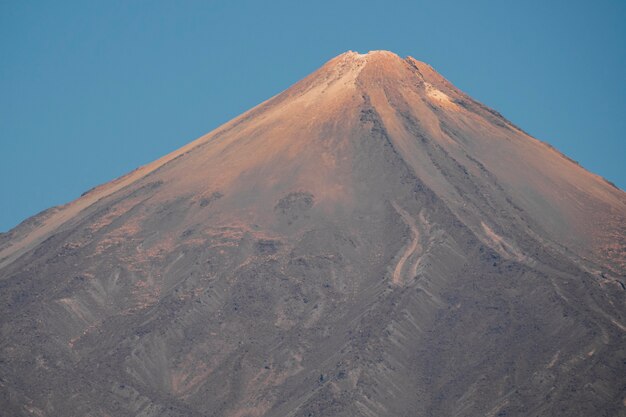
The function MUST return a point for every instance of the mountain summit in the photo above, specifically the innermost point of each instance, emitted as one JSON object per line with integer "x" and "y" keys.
{"x": 370, "y": 242}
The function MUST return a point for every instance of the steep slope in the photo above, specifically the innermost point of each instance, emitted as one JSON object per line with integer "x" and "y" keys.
{"x": 370, "y": 242}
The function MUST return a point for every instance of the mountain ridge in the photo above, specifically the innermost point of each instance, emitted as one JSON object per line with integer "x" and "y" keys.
{"x": 347, "y": 58}
{"x": 371, "y": 241}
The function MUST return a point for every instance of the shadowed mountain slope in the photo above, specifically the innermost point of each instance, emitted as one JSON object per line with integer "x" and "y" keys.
{"x": 370, "y": 242}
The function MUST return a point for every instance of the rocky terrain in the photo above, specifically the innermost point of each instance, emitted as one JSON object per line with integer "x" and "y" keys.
{"x": 370, "y": 242}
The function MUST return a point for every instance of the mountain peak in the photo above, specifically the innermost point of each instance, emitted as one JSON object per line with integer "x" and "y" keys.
{"x": 373, "y": 53}
{"x": 371, "y": 241}
{"x": 369, "y": 57}
{"x": 378, "y": 55}
{"x": 379, "y": 67}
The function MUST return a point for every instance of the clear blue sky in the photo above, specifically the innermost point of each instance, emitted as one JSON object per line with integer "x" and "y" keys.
{"x": 91, "y": 90}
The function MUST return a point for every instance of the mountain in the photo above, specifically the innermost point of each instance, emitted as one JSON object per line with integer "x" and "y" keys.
{"x": 370, "y": 242}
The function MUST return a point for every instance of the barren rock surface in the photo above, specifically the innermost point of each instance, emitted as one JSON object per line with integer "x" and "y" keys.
{"x": 370, "y": 242}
